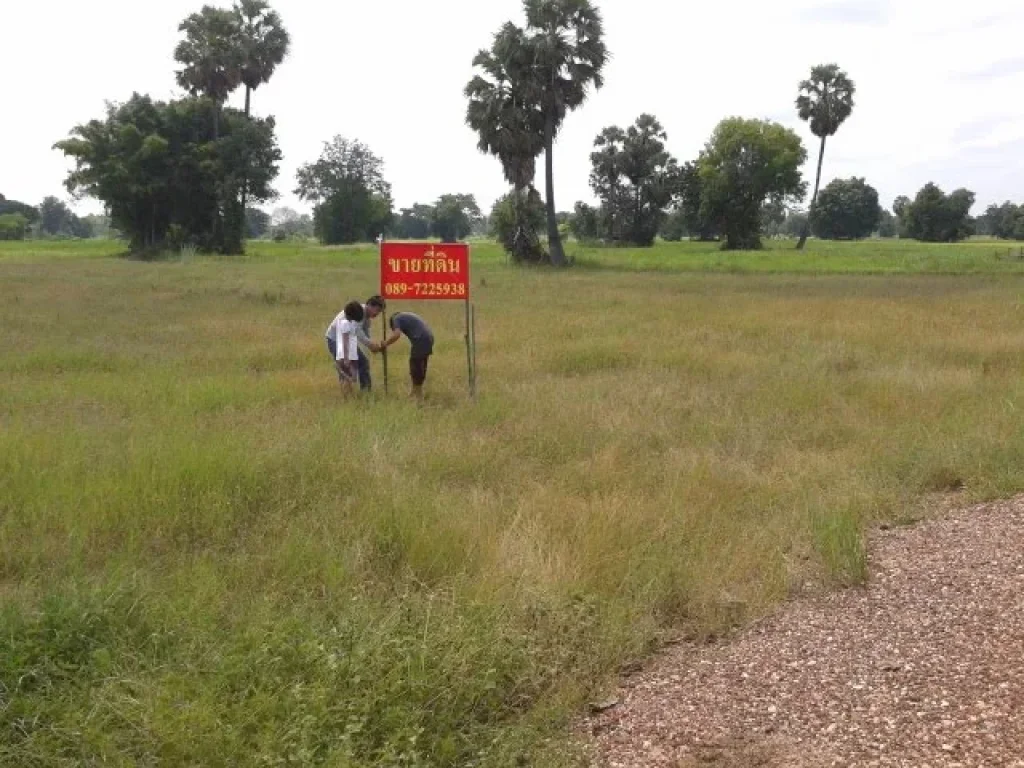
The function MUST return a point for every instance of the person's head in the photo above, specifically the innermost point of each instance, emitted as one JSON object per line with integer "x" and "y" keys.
{"x": 375, "y": 305}
{"x": 354, "y": 311}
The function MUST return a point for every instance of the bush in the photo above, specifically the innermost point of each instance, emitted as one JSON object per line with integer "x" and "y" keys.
{"x": 517, "y": 220}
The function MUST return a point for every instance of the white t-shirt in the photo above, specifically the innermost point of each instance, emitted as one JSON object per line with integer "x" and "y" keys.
{"x": 335, "y": 331}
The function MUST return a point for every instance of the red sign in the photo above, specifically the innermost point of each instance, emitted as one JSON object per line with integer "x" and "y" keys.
{"x": 424, "y": 271}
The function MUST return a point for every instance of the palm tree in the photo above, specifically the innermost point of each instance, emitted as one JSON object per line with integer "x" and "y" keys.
{"x": 826, "y": 100}
{"x": 210, "y": 57}
{"x": 504, "y": 110}
{"x": 569, "y": 54}
{"x": 211, "y": 66}
{"x": 264, "y": 44}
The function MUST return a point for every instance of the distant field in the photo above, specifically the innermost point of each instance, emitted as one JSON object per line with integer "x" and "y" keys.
{"x": 820, "y": 257}
{"x": 206, "y": 558}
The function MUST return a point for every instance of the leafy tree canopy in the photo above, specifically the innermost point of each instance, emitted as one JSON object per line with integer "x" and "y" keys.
{"x": 635, "y": 178}
{"x": 346, "y": 184}
{"x": 744, "y": 166}
{"x": 847, "y": 209}
{"x": 56, "y": 219}
{"x": 453, "y": 217}
{"x": 1005, "y": 221}
{"x": 935, "y": 217}
{"x": 156, "y": 165}
{"x": 413, "y": 223}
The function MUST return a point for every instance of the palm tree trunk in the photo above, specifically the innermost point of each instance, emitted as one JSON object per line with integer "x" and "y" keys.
{"x": 814, "y": 198}
{"x": 554, "y": 239}
{"x": 245, "y": 170}
{"x": 218, "y": 217}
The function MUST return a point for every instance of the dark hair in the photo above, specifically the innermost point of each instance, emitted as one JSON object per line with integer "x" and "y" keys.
{"x": 354, "y": 311}
{"x": 377, "y": 301}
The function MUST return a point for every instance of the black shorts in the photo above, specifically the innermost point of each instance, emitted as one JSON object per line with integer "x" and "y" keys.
{"x": 418, "y": 369}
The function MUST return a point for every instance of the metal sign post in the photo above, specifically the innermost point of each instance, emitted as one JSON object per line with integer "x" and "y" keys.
{"x": 472, "y": 331}
{"x": 383, "y": 324}
{"x": 469, "y": 348}
{"x": 383, "y": 349}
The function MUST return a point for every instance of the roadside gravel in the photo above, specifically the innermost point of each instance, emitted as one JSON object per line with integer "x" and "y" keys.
{"x": 922, "y": 667}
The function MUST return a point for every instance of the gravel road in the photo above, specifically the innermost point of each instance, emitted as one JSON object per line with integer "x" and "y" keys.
{"x": 923, "y": 667}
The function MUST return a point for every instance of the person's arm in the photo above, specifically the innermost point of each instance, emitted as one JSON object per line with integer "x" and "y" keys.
{"x": 363, "y": 336}
{"x": 395, "y": 336}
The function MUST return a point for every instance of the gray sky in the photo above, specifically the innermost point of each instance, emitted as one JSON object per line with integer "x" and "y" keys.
{"x": 939, "y": 85}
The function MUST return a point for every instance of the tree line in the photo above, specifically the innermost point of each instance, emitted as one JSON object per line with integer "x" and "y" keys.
{"x": 51, "y": 219}
{"x": 191, "y": 170}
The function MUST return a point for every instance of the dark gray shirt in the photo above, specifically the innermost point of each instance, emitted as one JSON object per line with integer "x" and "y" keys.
{"x": 415, "y": 329}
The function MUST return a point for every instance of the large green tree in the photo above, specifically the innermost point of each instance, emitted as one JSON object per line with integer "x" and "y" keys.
{"x": 744, "y": 166}
{"x": 505, "y": 112}
{"x": 825, "y": 101}
{"x": 939, "y": 218}
{"x": 161, "y": 174}
{"x": 635, "y": 178}
{"x": 55, "y": 218}
{"x": 413, "y": 223}
{"x": 847, "y": 209}
{"x": 1005, "y": 221}
{"x": 567, "y": 42}
{"x": 347, "y": 187}
{"x": 693, "y": 216}
{"x": 608, "y": 183}
{"x": 453, "y": 217}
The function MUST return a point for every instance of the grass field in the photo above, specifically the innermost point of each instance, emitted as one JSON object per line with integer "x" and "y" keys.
{"x": 206, "y": 558}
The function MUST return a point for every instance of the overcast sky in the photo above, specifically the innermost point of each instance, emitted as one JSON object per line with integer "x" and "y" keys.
{"x": 939, "y": 86}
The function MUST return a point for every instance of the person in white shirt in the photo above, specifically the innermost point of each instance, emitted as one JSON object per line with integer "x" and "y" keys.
{"x": 343, "y": 343}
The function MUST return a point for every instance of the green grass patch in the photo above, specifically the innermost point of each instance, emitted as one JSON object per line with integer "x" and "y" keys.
{"x": 208, "y": 558}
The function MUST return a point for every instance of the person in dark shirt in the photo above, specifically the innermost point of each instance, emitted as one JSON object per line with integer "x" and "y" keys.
{"x": 421, "y": 340}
